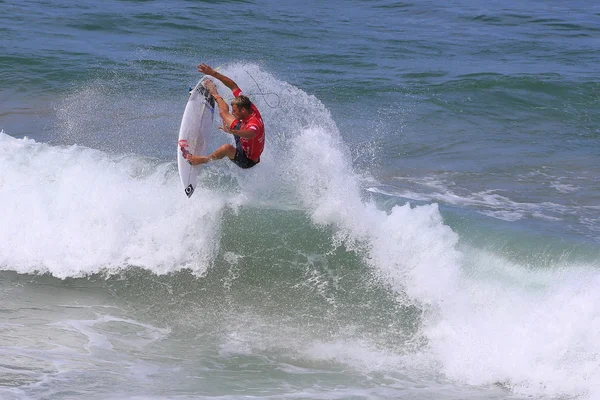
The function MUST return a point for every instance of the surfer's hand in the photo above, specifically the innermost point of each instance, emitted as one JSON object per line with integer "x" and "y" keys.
{"x": 212, "y": 89}
{"x": 205, "y": 69}
{"x": 189, "y": 157}
{"x": 195, "y": 160}
{"x": 225, "y": 129}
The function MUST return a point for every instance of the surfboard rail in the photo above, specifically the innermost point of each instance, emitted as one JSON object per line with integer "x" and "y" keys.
{"x": 194, "y": 133}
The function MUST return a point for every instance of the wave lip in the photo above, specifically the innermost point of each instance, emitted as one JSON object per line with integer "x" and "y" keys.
{"x": 74, "y": 211}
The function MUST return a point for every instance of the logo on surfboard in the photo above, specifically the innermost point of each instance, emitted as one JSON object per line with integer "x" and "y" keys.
{"x": 207, "y": 96}
{"x": 189, "y": 190}
{"x": 183, "y": 145}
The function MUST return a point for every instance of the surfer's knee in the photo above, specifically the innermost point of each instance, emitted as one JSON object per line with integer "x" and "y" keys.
{"x": 230, "y": 151}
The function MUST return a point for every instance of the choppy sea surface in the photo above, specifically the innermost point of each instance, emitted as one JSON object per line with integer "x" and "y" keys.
{"x": 424, "y": 223}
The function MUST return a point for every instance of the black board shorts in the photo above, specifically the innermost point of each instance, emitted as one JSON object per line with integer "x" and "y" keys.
{"x": 241, "y": 159}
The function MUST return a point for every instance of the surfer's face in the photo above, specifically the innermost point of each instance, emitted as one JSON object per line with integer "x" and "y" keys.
{"x": 239, "y": 113}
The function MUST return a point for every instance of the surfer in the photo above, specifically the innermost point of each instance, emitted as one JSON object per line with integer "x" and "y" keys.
{"x": 244, "y": 122}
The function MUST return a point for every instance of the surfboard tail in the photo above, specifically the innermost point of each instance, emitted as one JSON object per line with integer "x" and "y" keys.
{"x": 189, "y": 190}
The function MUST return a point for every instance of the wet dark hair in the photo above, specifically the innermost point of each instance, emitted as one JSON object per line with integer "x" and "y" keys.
{"x": 242, "y": 101}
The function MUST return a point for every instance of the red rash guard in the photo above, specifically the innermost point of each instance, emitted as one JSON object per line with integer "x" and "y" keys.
{"x": 252, "y": 147}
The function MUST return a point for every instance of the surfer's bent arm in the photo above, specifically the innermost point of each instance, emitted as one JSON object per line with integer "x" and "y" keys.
{"x": 226, "y": 80}
{"x": 223, "y": 106}
{"x": 245, "y": 133}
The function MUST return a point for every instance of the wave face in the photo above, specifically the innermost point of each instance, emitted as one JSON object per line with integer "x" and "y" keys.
{"x": 294, "y": 259}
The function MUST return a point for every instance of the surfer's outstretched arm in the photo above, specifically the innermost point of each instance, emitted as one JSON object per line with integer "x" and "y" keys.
{"x": 205, "y": 69}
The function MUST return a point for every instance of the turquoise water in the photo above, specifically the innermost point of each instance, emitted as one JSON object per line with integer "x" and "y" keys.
{"x": 424, "y": 223}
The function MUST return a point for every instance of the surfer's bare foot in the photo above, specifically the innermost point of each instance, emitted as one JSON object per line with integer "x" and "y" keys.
{"x": 210, "y": 85}
{"x": 195, "y": 160}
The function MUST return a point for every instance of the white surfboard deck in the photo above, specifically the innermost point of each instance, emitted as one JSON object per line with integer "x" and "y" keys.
{"x": 196, "y": 127}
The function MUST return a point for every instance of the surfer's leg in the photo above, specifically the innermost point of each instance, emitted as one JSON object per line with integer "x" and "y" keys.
{"x": 225, "y": 150}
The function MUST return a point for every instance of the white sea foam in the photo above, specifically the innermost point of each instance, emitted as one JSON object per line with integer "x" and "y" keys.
{"x": 481, "y": 330}
{"x": 559, "y": 215}
{"x": 537, "y": 334}
{"x": 72, "y": 211}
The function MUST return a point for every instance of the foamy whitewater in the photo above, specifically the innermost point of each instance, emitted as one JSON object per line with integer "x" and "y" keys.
{"x": 481, "y": 318}
{"x": 423, "y": 223}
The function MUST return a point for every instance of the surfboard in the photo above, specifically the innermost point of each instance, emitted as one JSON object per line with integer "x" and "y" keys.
{"x": 196, "y": 126}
